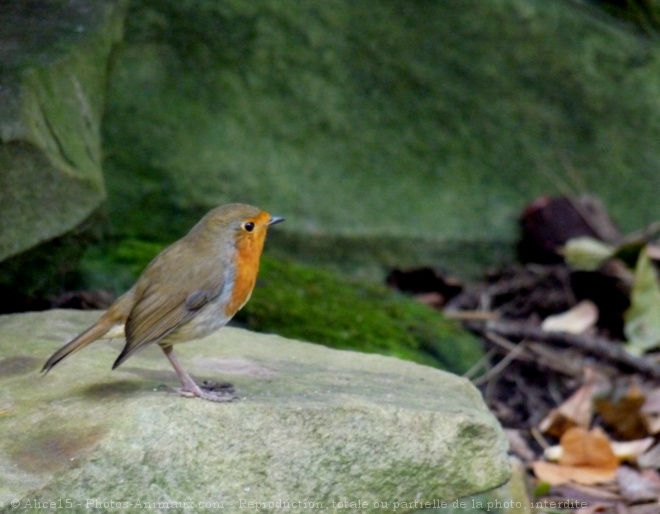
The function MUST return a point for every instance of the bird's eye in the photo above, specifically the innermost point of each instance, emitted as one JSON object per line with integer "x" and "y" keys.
{"x": 248, "y": 226}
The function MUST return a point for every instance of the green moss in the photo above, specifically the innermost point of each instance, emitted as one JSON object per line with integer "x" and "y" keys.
{"x": 302, "y": 302}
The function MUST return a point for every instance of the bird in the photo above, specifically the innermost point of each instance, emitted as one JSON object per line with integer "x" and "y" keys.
{"x": 188, "y": 291}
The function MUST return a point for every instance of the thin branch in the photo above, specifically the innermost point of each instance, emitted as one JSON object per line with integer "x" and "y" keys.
{"x": 501, "y": 365}
{"x": 471, "y": 315}
{"x": 481, "y": 363}
{"x": 595, "y": 346}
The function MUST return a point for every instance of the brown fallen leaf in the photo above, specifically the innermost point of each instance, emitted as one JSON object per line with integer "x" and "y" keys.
{"x": 586, "y": 458}
{"x": 623, "y": 414}
{"x": 556, "y": 474}
{"x": 577, "y": 410}
{"x": 584, "y": 448}
{"x": 626, "y": 451}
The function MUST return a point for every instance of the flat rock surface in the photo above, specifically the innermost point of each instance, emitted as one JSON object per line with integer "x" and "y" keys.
{"x": 311, "y": 425}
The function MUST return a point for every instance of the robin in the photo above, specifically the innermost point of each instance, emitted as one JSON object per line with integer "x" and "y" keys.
{"x": 191, "y": 289}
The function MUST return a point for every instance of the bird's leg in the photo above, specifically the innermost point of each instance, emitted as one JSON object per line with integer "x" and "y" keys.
{"x": 188, "y": 386}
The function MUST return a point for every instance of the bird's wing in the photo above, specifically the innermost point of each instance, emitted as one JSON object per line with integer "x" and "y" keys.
{"x": 164, "y": 304}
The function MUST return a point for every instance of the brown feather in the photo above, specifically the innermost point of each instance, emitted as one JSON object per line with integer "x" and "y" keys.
{"x": 161, "y": 304}
{"x": 116, "y": 314}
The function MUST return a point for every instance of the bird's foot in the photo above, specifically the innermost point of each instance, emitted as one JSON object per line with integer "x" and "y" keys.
{"x": 212, "y": 391}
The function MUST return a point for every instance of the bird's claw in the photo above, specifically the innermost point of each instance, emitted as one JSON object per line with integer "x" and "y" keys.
{"x": 211, "y": 391}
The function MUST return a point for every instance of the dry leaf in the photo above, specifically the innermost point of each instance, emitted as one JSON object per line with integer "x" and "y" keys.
{"x": 623, "y": 414}
{"x": 583, "y": 448}
{"x": 556, "y": 423}
{"x": 577, "y": 320}
{"x": 577, "y": 410}
{"x": 556, "y": 474}
{"x": 626, "y": 451}
{"x": 586, "y": 458}
{"x": 630, "y": 450}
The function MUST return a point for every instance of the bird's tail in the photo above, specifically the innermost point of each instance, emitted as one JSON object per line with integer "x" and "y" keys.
{"x": 96, "y": 331}
{"x": 114, "y": 317}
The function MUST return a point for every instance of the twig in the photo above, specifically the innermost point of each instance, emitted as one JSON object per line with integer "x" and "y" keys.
{"x": 502, "y": 342}
{"x": 471, "y": 315}
{"x": 501, "y": 365}
{"x": 598, "y": 347}
{"x": 554, "y": 359}
{"x": 538, "y": 437}
{"x": 481, "y": 363}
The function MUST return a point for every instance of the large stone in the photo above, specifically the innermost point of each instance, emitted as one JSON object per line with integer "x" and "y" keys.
{"x": 312, "y": 425}
{"x": 53, "y": 76}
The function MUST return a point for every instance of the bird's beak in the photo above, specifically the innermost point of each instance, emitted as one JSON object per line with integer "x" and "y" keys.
{"x": 274, "y": 220}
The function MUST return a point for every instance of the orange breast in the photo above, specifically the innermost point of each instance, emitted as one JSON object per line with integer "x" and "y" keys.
{"x": 247, "y": 267}
{"x": 241, "y": 293}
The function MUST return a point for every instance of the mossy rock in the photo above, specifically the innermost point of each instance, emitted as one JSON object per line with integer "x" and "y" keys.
{"x": 53, "y": 78}
{"x": 302, "y": 302}
{"x": 397, "y": 129}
